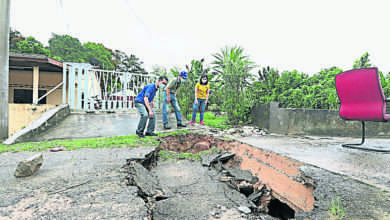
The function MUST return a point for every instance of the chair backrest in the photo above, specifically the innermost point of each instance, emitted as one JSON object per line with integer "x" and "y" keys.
{"x": 361, "y": 96}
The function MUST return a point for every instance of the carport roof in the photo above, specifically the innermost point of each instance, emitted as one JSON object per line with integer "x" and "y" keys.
{"x": 22, "y": 61}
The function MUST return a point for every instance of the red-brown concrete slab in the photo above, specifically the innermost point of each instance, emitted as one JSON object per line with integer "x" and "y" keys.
{"x": 327, "y": 153}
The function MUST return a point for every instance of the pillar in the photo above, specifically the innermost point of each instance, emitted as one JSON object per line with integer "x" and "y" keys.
{"x": 4, "y": 66}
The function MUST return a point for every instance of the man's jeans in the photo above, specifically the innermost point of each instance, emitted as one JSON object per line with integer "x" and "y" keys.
{"x": 202, "y": 104}
{"x": 144, "y": 118}
{"x": 175, "y": 106}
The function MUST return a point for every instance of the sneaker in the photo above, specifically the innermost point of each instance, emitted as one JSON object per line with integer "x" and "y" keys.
{"x": 140, "y": 135}
{"x": 150, "y": 134}
{"x": 201, "y": 122}
{"x": 191, "y": 122}
{"x": 166, "y": 126}
{"x": 181, "y": 125}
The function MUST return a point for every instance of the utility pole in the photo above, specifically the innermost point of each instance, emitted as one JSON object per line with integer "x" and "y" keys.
{"x": 4, "y": 68}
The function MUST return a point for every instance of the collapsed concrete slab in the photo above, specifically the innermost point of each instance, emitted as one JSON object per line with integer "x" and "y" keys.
{"x": 208, "y": 159}
{"x": 140, "y": 177}
{"x": 136, "y": 173}
{"x": 280, "y": 173}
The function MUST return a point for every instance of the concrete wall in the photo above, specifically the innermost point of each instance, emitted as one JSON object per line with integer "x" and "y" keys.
{"x": 312, "y": 122}
{"x": 48, "y": 119}
{"x": 21, "y": 115}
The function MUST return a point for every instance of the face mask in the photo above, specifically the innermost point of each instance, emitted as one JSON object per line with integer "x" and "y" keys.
{"x": 204, "y": 80}
{"x": 182, "y": 80}
{"x": 162, "y": 86}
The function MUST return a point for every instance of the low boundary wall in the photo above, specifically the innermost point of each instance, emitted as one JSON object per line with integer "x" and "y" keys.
{"x": 21, "y": 115}
{"x": 48, "y": 119}
{"x": 312, "y": 122}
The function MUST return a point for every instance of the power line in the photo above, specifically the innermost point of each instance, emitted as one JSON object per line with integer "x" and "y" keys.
{"x": 64, "y": 15}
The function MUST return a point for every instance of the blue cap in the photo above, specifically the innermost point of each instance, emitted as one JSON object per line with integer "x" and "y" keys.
{"x": 184, "y": 74}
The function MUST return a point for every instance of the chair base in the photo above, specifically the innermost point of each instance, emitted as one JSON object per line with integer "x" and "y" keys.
{"x": 356, "y": 146}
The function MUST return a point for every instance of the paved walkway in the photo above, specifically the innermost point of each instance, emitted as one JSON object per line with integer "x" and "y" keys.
{"x": 82, "y": 125}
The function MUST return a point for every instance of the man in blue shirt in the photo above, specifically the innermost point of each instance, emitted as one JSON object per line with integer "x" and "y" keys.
{"x": 144, "y": 103}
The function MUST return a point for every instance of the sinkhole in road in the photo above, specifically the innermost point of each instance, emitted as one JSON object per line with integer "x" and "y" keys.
{"x": 272, "y": 183}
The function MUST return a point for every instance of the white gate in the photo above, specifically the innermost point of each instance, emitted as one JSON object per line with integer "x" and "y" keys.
{"x": 88, "y": 89}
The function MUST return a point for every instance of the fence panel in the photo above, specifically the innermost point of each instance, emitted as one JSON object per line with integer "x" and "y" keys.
{"x": 88, "y": 89}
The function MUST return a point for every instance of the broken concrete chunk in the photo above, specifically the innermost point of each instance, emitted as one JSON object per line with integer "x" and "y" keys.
{"x": 239, "y": 175}
{"x": 244, "y": 209}
{"x": 226, "y": 156}
{"x": 255, "y": 197}
{"x": 56, "y": 149}
{"x": 146, "y": 156}
{"x": 208, "y": 159}
{"x": 144, "y": 180}
{"x": 225, "y": 178}
{"x": 30, "y": 166}
{"x": 218, "y": 166}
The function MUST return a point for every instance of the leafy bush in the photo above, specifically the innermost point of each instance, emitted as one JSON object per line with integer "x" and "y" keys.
{"x": 297, "y": 90}
{"x": 233, "y": 69}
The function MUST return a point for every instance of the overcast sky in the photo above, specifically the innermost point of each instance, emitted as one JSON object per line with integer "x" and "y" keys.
{"x": 306, "y": 35}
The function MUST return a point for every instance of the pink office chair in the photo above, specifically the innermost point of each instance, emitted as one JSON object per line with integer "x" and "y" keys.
{"x": 361, "y": 97}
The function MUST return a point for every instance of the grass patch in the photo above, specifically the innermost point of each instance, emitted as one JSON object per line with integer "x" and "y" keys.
{"x": 106, "y": 142}
{"x": 212, "y": 121}
{"x": 178, "y": 132}
{"x": 226, "y": 138}
{"x": 172, "y": 155}
{"x": 336, "y": 209}
{"x": 212, "y": 150}
{"x": 74, "y": 144}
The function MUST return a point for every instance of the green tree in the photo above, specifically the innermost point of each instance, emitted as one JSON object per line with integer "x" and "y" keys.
{"x": 136, "y": 65}
{"x": 96, "y": 51}
{"x": 262, "y": 89}
{"x": 31, "y": 45}
{"x": 297, "y": 90}
{"x": 234, "y": 67}
{"x": 363, "y": 62}
{"x": 14, "y": 38}
{"x": 66, "y": 48}
{"x": 159, "y": 70}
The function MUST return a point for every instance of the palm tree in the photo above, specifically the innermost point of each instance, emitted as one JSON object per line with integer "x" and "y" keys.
{"x": 233, "y": 72}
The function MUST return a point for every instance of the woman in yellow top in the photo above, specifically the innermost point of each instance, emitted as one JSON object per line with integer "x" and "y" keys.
{"x": 202, "y": 90}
